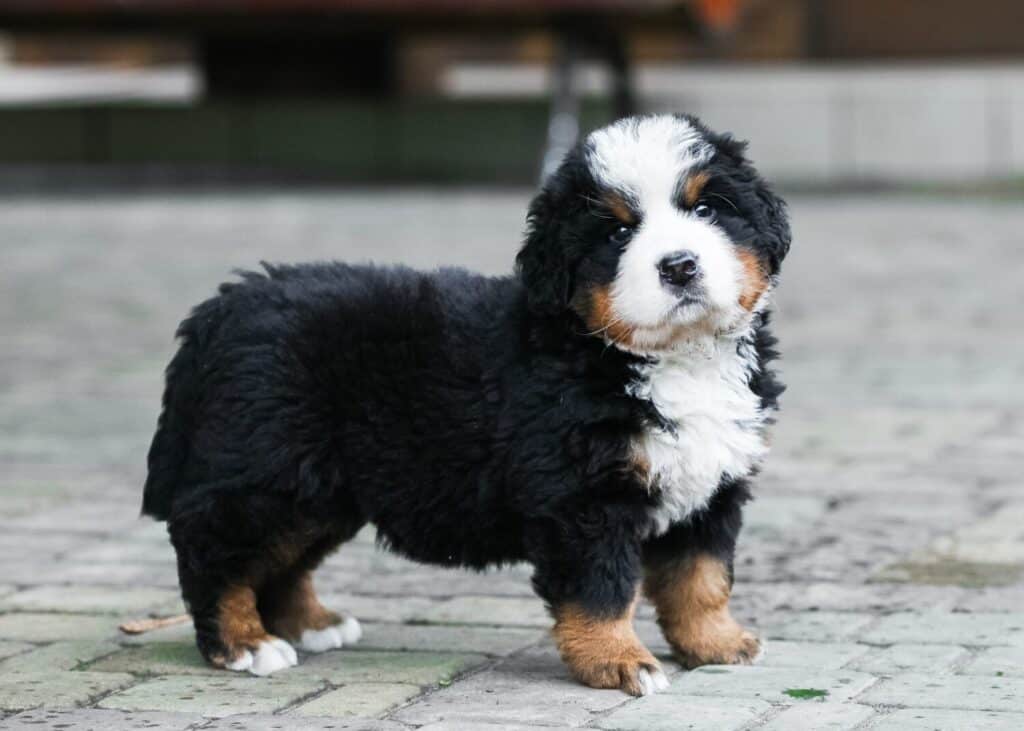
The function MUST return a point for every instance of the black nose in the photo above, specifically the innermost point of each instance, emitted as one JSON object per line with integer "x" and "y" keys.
{"x": 678, "y": 268}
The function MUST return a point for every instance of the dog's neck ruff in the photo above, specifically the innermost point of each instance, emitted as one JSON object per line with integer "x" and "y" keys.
{"x": 711, "y": 424}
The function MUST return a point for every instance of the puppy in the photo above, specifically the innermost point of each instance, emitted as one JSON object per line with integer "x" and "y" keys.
{"x": 597, "y": 414}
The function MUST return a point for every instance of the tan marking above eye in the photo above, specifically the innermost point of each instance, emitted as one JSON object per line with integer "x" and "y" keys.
{"x": 620, "y": 209}
{"x": 693, "y": 188}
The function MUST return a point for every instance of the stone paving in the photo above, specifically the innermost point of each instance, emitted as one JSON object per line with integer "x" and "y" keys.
{"x": 883, "y": 560}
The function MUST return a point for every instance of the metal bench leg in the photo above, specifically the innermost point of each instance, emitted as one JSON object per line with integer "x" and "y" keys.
{"x": 564, "y": 121}
{"x": 623, "y": 97}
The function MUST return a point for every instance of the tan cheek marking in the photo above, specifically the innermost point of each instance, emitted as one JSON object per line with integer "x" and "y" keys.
{"x": 755, "y": 279}
{"x": 600, "y": 317}
{"x": 603, "y": 653}
{"x": 692, "y": 601}
{"x": 297, "y": 609}
{"x": 694, "y": 187}
{"x": 598, "y": 313}
{"x": 238, "y": 622}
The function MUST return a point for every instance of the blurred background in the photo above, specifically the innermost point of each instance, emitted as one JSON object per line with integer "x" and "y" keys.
{"x": 835, "y": 92}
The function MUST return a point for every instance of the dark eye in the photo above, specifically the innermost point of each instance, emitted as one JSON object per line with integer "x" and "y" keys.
{"x": 704, "y": 211}
{"x": 621, "y": 235}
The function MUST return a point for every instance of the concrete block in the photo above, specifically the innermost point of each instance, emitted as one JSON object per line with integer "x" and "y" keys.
{"x": 997, "y": 662}
{"x": 61, "y": 655}
{"x": 949, "y": 627}
{"x": 824, "y": 655}
{"x": 211, "y": 697}
{"x": 413, "y": 668}
{"x": 41, "y": 627}
{"x": 500, "y": 698}
{"x": 95, "y": 719}
{"x": 358, "y": 699}
{"x": 452, "y": 638}
{"x": 909, "y": 658}
{"x": 157, "y": 658}
{"x": 489, "y": 610}
{"x": 267, "y": 722}
{"x": 950, "y": 691}
{"x": 932, "y": 719}
{"x": 94, "y": 599}
{"x": 820, "y": 717}
{"x": 816, "y": 626}
{"x": 662, "y": 712}
{"x": 777, "y": 685}
{"x": 55, "y": 689}
{"x": 9, "y": 648}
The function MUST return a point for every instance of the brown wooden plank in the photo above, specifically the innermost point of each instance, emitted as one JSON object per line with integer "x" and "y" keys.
{"x": 415, "y": 7}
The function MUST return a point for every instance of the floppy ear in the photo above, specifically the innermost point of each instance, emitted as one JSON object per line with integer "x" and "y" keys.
{"x": 768, "y": 214}
{"x": 542, "y": 263}
{"x": 773, "y": 223}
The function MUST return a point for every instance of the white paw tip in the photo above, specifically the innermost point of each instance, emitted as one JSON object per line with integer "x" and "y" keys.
{"x": 761, "y": 651}
{"x": 321, "y": 640}
{"x": 242, "y": 663}
{"x": 287, "y": 650}
{"x": 652, "y": 682}
{"x": 351, "y": 632}
{"x": 271, "y": 656}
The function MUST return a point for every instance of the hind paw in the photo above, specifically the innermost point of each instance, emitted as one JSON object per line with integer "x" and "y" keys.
{"x": 346, "y": 632}
{"x": 269, "y": 656}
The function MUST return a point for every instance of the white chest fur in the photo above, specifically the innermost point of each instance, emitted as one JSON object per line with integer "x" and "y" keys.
{"x": 717, "y": 425}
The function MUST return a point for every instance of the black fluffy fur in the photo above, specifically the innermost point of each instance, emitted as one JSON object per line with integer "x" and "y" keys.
{"x": 472, "y": 420}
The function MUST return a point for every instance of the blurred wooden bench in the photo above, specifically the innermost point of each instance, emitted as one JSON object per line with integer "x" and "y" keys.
{"x": 293, "y": 47}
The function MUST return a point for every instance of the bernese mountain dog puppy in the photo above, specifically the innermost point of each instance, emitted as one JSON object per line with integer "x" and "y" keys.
{"x": 597, "y": 414}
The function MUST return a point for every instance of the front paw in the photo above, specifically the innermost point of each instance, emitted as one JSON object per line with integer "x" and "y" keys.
{"x": 633, "y": 676}
{"x": 605, "y": 652}
{"x": 718, "y": 645}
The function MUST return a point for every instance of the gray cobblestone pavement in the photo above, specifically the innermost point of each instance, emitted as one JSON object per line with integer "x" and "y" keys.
{"x": 883, "y": 560}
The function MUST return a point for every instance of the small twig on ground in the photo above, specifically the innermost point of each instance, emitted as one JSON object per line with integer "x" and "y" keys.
{"x": 138, "y": 626}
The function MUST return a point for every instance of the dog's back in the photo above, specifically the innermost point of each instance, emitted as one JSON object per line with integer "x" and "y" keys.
{"x": 307, "y": 336}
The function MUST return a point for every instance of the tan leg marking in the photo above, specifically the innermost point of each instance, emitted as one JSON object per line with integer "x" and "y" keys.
{"x": 297, "y": 609}
{"x": 247, "y": 645}
{"x": 239, "y": 624}
{"x": 692, "y": 600}
{"x": 604, "y": 653}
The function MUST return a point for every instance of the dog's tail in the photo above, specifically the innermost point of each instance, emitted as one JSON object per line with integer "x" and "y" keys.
{"x": 169, "y": 451}
{"x": 158, "y": 494}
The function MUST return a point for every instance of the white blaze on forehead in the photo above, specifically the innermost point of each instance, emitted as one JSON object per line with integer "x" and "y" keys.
{"x": 646, "y": 156}
{"x": 648, "y": 160}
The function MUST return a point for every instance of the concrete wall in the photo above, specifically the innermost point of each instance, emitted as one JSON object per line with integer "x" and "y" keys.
{"x": 832, "y": 124}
